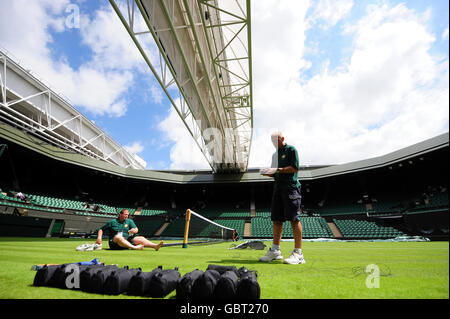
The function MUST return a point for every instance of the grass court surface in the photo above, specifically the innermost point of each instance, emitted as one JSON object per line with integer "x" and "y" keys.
{"x": 333, "y": 270}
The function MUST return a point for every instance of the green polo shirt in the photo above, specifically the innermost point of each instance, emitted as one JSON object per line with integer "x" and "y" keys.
{"x": 113, "y": 226}
{"x": 286, "y": 155}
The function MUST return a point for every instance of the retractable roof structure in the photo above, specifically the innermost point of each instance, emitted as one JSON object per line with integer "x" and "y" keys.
{"x": 26, "y": 102}
{"x": 203, "y": 65}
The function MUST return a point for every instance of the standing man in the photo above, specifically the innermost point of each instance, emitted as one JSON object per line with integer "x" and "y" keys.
{"x": 286, "y": 199}
{"x": 122, "y": 234}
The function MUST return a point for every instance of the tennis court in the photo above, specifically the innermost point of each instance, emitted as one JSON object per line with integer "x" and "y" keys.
{"x": 334, "y": 270}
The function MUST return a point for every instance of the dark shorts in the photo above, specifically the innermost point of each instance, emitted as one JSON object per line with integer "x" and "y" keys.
{"x": 114, "y": 246}
{"x": 286, "y": 204}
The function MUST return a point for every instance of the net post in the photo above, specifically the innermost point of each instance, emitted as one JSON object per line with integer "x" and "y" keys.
{"x": 186, "y": 228}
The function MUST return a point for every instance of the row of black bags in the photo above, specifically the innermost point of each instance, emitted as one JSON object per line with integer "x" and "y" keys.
{"x": 217, "y": 282}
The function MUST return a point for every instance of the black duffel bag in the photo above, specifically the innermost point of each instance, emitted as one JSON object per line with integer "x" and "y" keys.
{"x": 163, "y": 283}
{"x": 45, "y": 275}
{"x": 204, "y": 286}
{"x": 222, "y": 269}
{"x": 140, "y": 282}
{"x": 118, "y": 280}
{"x": 248, "y": 287}
{"x": 227, "y": 285}
{"x": 185, "y": 284}
{"x": 61, "y": 274}
{"x": 99, "y": 279}
{"x": 87, "y": 275}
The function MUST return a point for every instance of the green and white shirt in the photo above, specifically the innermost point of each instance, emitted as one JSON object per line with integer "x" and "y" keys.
{"x": 286, "y": 155}
{"x": 114, "y": 226}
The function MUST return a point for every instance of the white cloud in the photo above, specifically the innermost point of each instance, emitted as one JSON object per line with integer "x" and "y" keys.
{"x": 184, "y": 154}
{"x": 156, "y": 93}
{"x": 26, "y": 37}
{"x": 277, "y": 42}
{"x": 444, "y": 34}
{"x": 158, "y": 165}
{"x": 134, "y": 148}
{"x": 110, "y": 42}
{"x": 330, "y": 12}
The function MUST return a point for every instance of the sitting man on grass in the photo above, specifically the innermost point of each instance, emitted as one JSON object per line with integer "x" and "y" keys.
{"x": 122, "y": 234}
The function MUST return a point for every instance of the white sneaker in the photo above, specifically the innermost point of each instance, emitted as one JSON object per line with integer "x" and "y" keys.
{"x": 271, "y": 255}
{"x": 90, "y": 247}
{"x": 82, "y": 247}
{"x": 295, "y": 258}
{"x": 97, "y": 246}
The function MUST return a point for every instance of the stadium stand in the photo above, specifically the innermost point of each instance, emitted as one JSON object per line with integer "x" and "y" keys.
{"x": 149, "y": 225}
{"x": 313, "y": 227}
{"x": 395, "y": 198}
{"x": 351, "y": 228}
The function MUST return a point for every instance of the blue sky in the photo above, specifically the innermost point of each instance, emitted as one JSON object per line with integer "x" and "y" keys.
{"x": 344, "y": 80}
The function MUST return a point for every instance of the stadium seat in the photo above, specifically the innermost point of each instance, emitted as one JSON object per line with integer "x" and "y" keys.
{"x": 351, "y": 228}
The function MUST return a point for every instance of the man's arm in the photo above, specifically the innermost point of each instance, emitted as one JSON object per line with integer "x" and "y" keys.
{"x": 99, "y": 236}
{"x": 287, "y": 170}
{"x": 294, "y": 161}
{"x": 283, "y": 170}
{"x": 133, "y": 230}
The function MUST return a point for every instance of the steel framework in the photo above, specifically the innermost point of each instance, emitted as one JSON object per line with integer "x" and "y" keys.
{"x": 204, "y": 68}
{"x": 30, "y": 105}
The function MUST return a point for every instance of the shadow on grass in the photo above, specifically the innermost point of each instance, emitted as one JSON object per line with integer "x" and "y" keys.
{"x": 235, "y": 261}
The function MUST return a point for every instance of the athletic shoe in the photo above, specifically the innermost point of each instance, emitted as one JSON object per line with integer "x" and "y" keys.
{"x": 90, "y": 247}
{"x": 97, "y": 246}
{"x": 271, "y": 255}
{"x": 295, "y": 258}
{"x": 82, "y": 247}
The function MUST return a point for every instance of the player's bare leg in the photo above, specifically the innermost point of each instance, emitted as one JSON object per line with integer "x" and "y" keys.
{"x": 277, "y": 232}
{"x": 297, "y": 232}
{"x": 122, "y": 242}
{"x": 147, "y": 243}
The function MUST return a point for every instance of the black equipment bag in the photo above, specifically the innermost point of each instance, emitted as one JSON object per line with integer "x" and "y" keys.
{"x": 44, "y": 276}
{"x": 56, "y": 275}
{"x": 163, "y": 283}
{"x": 58, "y": 279}
{"x": 140, "y": 282}
{"x": 87, "y": 275}
{"x": 248, "y": 287}
{"x": 204, "y": 286}
{"x": 226, "y": 287}
{"x": 118, "y": 280}
{"x": 222, "y": 269}
{"x": 63, "y": 275}
{"x": 185, "y": 284}
{"x": 99, "y": 278}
